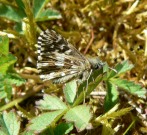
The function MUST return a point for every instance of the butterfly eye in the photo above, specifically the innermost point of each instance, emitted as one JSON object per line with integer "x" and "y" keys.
{"x": 96, "y": 66}
{"x": 95, "y": 63}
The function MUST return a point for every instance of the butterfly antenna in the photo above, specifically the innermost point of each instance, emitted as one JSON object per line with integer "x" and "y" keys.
{"x": 113, "y": 69}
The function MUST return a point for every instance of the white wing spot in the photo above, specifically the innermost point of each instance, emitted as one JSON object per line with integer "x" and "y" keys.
{"x": 74, "y": 66}
{"x": 62, "y": 46}
{"x": 42, "y": 49}
{"x": 46, "y": 77}
{"x": 39, "y": 58}
{"x": 52, "y": 46}
{"x": 42, "y": 64}
{"x": 68, "y": 52}
{"x": 61, "y": 58}
{"x": 62, "y": 74}
{"x": 51, "y": 74}
{"x": 40, "y": 38}
{"x": 72, "y": 72}
{"x": 38, "y": 51}
{"x": 59, "y": 64}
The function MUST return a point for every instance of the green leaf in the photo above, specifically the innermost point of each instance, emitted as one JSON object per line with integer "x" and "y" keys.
{"x": 13, "y": 78}
{"x": 120, "y": 68}
{"x": 40, "y": 123}
{"x": 21, "y": 6}
{"x": 106, "y": 68}
{"x": 80, "y": 115}
{"x": 5, "y": 91}
{"x": 130, "y": 87}
{"x": 4, "y": 45}
{"x": 43, "y": 15}
{"x": 95, "y": 74}
{"x": 92, "y": 79}
{"x": 27, "y": 133}
{"x": 2, "y": 133}
{"x": 18, "y": 27}
{"x": 63, "y": 128}
{"x": 6, "y": 82}
{"x": 6, "y": 63}
{"x": 70, "y": 91}
{"x": 111, "y": 98}
{"x": 11, "y": 13}
{"x": 5, "y": 88}
{"x": 51, "y": 103}
{"x": 85, "y": 89}
{"x": 108, "y": 118}
{"x": 113, "y": 113}
{"x": 38, "y": 6}
{"x": 48, "y": 14}
{"x": 9, "y": 123}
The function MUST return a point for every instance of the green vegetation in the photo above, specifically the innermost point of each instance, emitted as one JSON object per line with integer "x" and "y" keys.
{"x": 113, "y": 30}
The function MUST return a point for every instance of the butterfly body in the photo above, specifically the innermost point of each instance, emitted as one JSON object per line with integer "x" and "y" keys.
{"x": 60, "y": 61}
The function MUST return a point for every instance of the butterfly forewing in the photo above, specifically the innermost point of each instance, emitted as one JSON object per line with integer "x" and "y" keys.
{"x": 58, "y": 60}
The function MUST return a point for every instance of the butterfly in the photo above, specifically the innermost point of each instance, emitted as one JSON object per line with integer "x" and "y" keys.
{"x": 60, "y": 61}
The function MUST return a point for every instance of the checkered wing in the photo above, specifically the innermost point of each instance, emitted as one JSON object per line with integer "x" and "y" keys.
{"x": 58, "y": 60}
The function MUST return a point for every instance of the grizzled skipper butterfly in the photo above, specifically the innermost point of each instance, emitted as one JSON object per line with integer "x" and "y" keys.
{"x": 60, "y": 61}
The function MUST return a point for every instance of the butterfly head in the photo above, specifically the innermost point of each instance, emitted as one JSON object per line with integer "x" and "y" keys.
{"x": 96, "y": 63}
